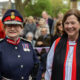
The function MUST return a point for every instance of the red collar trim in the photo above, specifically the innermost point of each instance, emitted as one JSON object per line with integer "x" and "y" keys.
{"x": 12, "y": 42}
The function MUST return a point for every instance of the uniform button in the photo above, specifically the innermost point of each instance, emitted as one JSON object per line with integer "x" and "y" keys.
{"x": 22, "y": 77}
{"x": 19, "y": 56}
{"x": 22, "y": 66}
{"x": 16, "y": 48}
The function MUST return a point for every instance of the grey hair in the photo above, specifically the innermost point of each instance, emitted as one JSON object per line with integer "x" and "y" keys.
{"x": 29, "y": 34}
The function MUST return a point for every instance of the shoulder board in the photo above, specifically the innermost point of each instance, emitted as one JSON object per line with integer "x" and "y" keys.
{"x": 1, "y": 40}
{"x": 23, "y": 39}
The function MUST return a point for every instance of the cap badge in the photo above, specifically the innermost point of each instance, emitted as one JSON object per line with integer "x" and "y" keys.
{"x": 12, "y": 15}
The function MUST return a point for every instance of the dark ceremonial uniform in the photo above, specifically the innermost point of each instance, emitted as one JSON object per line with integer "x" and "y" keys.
{"x": 16, "y": 59}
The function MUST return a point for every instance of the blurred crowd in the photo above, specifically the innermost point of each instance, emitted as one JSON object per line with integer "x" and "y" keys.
{"x": 41, "y": 31}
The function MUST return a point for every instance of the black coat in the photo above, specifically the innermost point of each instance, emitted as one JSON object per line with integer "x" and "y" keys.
{"x": 50, "y": 23}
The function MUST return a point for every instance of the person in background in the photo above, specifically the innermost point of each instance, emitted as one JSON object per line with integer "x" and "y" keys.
{"x": 58, "y": 31}
{"x": 29, "y": 37}
{"x": 25, "y": 21}
{"x": 60, "y": 16}
{"x": 41, "y": 24}
{"x": 44, "y": 39}
{"x": 30, "y": 26}
{"x": 49, "y": 21}
{"x": 17, "y": 56}
{"x": 43, "y": 59}
{"x": 63, "y": 61}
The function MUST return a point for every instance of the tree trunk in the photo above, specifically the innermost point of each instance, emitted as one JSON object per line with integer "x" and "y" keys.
{"x": 21, "y": 6}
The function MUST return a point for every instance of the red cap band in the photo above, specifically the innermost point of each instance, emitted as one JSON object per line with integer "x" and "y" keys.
{"x": 9, "y": 19}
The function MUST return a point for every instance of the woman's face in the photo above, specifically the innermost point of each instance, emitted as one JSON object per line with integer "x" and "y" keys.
{"x": 72, "y": 26}
{"x": 13, "y": 31}
{"x": 41, "y": 23}
{"x": 30, "y": 20}
{"x": 59, "y": 26}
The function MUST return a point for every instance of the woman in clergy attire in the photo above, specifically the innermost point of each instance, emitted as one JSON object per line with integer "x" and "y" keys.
{"x": 63, "y": 61}
{"x": 17, "y": 56}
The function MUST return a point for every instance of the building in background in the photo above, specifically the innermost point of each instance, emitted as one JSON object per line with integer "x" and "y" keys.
{"x": 4, "y": 5}
{"x": 78, "y": 5}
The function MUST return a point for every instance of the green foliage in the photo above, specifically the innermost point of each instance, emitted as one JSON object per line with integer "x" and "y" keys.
{"x": 53, "y": 7}
{"x": 58, "y": 6}
{"x": 37, "y": 8}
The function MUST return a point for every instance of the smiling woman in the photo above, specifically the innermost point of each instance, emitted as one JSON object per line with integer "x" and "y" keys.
{"x": 65, "y": 62}
{"x": 17, "y": 56}
{"x": 13, "y": 31}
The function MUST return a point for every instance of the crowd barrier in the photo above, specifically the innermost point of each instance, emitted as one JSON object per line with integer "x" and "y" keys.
{"x": 40, "y": 48}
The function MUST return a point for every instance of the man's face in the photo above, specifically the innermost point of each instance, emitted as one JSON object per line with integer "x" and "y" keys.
{"x": 43, "y": 31}
{"x": 44, "y": 15}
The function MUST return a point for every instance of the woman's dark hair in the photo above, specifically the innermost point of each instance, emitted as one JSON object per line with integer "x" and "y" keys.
{"x": 56, "y": 30}
{"x": 74, "y": 12}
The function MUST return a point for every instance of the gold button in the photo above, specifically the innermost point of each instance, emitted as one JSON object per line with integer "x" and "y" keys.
{"x": 22, "y": 66}
{"x": 22, "y": 77}
{"x": 19, "y": 56}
